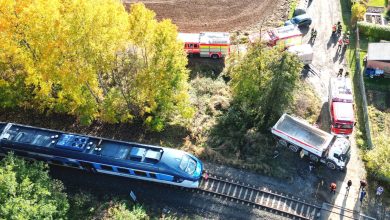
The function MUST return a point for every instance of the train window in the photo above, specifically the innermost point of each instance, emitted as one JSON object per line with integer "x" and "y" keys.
{"x": 122, "y": 170}
{"x": 105, "y": 167}
{"x": 195, "y": 45}
{"x": 153, "y": 175}
{"x": 139, "y": 173}
{"x": 135, "y": 159}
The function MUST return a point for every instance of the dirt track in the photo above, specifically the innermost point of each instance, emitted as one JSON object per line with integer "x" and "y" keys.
{"x": 217, "y": 15}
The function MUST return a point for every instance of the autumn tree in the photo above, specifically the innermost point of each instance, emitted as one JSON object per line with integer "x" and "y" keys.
{"x": 27, "y": 192}
{"x": 358, "y": 10}
{"x": 54, "y": 49}
{"x": 150, "y": 78}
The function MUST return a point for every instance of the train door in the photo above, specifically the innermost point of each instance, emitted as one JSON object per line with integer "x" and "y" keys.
{"x": 88, "y": 166}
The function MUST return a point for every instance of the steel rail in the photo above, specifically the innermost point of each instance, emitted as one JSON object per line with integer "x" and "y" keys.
{"x": 307, "y": 211}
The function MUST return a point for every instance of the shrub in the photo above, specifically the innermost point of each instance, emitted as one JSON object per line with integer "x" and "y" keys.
{"x": 379, "y": 32}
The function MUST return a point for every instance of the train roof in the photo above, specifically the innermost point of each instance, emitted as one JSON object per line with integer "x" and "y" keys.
{"x": 153, "y": 157}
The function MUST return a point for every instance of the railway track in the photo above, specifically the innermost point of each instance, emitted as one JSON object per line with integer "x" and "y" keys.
{"x": 283, "y": 205}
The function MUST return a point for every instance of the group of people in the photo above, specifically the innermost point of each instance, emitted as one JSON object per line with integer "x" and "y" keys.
{"x": 342, "y": 40}
{"x": 362, "y": 189}
{"x": 340, "y": 73}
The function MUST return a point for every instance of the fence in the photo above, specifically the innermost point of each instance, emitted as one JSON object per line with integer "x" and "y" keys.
{"x": 362, "y": 89}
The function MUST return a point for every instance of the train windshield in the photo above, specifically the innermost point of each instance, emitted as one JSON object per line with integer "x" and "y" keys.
{"x": 188, "y": 164}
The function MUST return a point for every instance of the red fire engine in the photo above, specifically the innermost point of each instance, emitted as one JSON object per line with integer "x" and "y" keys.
{"x": 206, "y": 44}
{"x": 341, "y": 105}
{"x": 285, "y": 36}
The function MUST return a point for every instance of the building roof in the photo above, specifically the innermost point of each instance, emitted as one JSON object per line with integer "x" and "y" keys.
{"x": 378, "y": 51}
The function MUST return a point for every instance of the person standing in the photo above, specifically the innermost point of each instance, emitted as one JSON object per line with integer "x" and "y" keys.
{"x": 379, "y": 191}
{"x": 363, "y": 184}
{"x": 362, "y": 195}
{"x": 349, "y": 184}
{"x": 333, "y": 187}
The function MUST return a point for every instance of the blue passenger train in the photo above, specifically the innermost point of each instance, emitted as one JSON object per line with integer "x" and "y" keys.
{"x": 94, "y": 154}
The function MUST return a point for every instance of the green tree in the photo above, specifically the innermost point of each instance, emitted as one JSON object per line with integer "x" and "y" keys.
{"x": 120, "y": 212}
{"x": 263, "y": 83}
{"x": 150, "y": 78}
{"x": 27, "y": 192}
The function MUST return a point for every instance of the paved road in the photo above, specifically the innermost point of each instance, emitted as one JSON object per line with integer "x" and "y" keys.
{"x": 327, "y": 62}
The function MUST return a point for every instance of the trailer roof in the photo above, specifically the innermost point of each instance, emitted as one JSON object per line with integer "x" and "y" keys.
{"x": 341, "y": 89}
{"x": 301, "y": 49}
{"x": 378, "y": 51}
{"x": 304, "y": 133}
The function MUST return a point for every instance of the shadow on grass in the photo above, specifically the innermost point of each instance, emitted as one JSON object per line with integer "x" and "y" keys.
{"x": 172, "y": 136}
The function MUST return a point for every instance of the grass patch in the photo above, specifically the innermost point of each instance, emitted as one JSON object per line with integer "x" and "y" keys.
{"x": 378, "y": 3}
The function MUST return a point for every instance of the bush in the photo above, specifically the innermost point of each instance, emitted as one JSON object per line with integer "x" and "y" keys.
{"x": 379, "y": 32}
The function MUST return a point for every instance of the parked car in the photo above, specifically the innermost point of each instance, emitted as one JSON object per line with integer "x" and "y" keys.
{"x": 300, "y": 21}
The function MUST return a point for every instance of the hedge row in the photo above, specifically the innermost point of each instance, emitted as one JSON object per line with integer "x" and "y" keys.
{"x": 379, "y": 32}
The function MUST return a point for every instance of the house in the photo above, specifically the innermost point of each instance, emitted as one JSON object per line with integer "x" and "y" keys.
{"x": 378, "y": 57}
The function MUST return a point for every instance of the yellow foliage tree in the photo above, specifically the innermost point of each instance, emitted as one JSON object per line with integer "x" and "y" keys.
{"x": 58, "y": 47}
{"x": 358, "y": 11}
{"x": 151, "y": 75}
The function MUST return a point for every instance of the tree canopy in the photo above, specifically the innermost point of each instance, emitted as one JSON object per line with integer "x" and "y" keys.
{"x": 27, "y": 191}
{"x": 92, "y": 59}
{"x": 263, "y": 83}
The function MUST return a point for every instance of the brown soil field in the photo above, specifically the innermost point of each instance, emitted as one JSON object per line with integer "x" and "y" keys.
{"x": 217, "y": 15}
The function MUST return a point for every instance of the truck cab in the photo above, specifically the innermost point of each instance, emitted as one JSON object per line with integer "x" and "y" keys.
{"x": 341, "y": 107}
{"x": 338, "y": 154}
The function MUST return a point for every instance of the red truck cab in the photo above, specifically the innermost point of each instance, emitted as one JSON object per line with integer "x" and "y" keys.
{"x": 341, "y": 106}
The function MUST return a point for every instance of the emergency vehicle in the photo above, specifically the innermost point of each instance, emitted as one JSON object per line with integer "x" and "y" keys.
{"x": 283, "y": 36}
{"x": 341, "y": 105}
{"x": 206, "y": 44}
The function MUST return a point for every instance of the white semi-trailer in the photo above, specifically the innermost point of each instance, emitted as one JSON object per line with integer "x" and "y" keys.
{"x": 320, "y": 146}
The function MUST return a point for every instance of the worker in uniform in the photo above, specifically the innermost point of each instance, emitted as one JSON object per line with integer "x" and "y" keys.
{"x": 333, "y": 187}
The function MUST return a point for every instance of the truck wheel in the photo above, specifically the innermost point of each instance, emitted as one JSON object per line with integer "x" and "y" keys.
{"x": 282, "y": 143}
{"x": 331, "y": 165}
{"x": 293, "y": 148}
{"x": 215, "y": 56}
{"x": 314, "y": 158}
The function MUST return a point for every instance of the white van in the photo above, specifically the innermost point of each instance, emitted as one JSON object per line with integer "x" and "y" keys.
{"x": 304, "y": 52}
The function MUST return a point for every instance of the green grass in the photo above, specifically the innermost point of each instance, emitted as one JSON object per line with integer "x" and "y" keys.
{"x": 379, "y": 3}
{"x": 351, "y": 58}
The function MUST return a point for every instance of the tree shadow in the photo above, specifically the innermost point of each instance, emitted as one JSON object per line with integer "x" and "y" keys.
{"x": 207, "y": 67}
{"x": 323, "y": 119}
{"x": 171, "y": 136}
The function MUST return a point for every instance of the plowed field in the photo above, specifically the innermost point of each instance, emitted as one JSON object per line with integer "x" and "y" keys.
{"x": 215, "y": 15}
